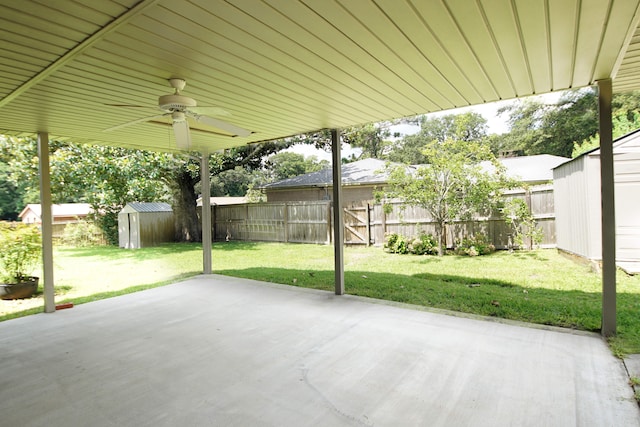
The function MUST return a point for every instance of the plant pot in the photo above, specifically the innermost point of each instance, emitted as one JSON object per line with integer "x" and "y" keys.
{"x": 24, "y": 289}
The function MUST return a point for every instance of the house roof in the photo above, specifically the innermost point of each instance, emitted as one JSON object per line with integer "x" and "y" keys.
{"x": 538, "y": 168}
{"x": 528, "y": 169}
{"x": 367, "y": 171}
{"x": 223, "y": 201}
{"x": 146, "y": 207}
{"x": 74, "y": 69}
{"x": 58, "y": 210}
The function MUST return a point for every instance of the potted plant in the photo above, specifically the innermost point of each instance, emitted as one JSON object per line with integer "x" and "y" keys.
{"x": 20, "y": 251}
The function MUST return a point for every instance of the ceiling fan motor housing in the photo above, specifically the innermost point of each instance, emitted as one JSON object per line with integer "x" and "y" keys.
{"x": 176, "y": 102}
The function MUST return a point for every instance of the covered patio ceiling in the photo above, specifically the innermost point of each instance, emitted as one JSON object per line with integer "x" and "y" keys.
{"x": 284, "y": 67}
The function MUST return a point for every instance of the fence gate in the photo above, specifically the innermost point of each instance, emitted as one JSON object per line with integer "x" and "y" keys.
{"x": 357, "y": 225}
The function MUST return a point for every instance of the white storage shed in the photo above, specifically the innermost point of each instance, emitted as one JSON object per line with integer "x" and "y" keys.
{"x": 578, "y": 207}
{"x": 145, "y": 224}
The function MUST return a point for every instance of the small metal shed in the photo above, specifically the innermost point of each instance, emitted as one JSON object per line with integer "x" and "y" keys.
{"x": 145, "y": 224}
{"x": 578, "y": 210}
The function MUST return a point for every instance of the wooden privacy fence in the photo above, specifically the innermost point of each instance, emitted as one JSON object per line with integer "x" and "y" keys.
{"x": 299, "y": 222}
{"x": 367, "y": 223}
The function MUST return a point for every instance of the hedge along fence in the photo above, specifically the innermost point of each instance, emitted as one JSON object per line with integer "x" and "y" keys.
{"x": 367, "y": 223}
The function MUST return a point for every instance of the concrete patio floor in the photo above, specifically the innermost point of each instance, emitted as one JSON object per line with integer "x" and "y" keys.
{"x": 220, "y": 351}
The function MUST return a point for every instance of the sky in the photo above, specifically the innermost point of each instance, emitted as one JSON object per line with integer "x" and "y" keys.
{"x": 495, "y": 124}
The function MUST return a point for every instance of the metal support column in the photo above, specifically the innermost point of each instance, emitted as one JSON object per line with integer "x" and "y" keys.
{"x": 338, "y": 222}
{"x": 47, "y": 222}
{"x": 205, "y": 180}
{"x": 608, "y": 209}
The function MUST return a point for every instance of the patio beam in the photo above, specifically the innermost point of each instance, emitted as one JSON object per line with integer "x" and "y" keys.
{"x": 608, "y": 219}
{"x": 205, "y": 181}
{"x": 338, "y": 223}
{"x": 47, "y": 222}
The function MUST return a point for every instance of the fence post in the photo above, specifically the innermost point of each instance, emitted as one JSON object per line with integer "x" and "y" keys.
{"x": 286, "y": 222}
{"x": 328, "y": 222}
{"x": 368, "y": 225}
{"x": 245, "y": 232}
{"x": 213, "y": 222}
{"x": 383, "y": 222}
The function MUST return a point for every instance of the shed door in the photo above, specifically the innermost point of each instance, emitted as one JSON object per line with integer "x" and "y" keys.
{"x": 134, "y": 230}
{"x": 627, "y": 168}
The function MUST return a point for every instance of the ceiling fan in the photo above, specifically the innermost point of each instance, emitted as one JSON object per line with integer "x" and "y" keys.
{"x": 179, "y": 107}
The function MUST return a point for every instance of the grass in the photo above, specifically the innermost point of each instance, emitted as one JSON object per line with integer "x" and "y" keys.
{"x": 540, "y": 286}
{"x": 89, "y": 274}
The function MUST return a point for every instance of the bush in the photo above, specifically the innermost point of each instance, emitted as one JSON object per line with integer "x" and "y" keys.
{"x": 20, "y": 251}
{"x": 474, "y": 246}
{"x": 81, "y": 234}
{"x": 396, "y": 244}
{"x": 519, "y": 217}
{"x": 424, "y": 244}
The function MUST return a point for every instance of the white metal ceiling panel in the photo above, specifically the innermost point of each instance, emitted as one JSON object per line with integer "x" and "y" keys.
{"x": 282, "y": 67}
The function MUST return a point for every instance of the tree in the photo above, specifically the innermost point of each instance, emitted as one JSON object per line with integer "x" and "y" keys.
{"x": 372, "y": 138}
{"x": 538, "y": 128}
{"x": 623, "y": 123}
{"x": 453, "y": 185}
{"x": 452, "y": 127}
{"x": 285, "y": 165}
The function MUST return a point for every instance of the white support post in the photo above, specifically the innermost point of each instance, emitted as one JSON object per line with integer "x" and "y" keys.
{"x": 205, "y": 180}
{"x": 47, "y": 222}
{"x": 338, "y": 222}
{"x": 608, "y": 209}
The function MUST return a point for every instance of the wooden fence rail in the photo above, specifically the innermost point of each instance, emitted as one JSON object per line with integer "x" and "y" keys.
{"x": 367, "y": 223}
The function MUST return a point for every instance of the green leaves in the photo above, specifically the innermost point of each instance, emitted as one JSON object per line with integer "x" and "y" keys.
{"x": 21, "y": 249}
{"x": 461, "y": 178}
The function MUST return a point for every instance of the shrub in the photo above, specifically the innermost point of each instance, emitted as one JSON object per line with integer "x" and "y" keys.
{"x": 424, "y": 244}
{"x": 397, "y": 244}
{"x": 474, "y": 246}
{"x": 83, "y": 233}
{"x": 20, "y": 250}
{"x": 519, "y": 217}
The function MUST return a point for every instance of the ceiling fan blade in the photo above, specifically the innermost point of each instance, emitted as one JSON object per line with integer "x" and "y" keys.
{"x": 183, "y": 136}
{"x": 210, "y": 110}
{"x": 131, "y": 106}
{"x": 145, "y": 119}
{"x": 228, "y": 127}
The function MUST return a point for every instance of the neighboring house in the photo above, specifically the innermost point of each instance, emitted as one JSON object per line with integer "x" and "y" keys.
{"x": 223, "y": 201}
{"x": 141, "y": 225}
{"x": 532, "y": 170}
{"x": 64, "y": 213}
{"x": 359, "y": 181}
{"x": 578, "y": 203}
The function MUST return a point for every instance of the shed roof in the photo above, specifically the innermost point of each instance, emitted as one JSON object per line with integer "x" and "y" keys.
{"x": 146, "y": 207}
{"x": 623, "y": 144}
{"x": 280, "y": 68}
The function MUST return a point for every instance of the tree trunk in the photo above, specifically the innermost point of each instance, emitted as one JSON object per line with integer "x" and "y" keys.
{"x": 187, "y": 224}
{"x": 441, "y": 231}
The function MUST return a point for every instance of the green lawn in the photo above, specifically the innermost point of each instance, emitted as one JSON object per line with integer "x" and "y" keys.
{"x": 541, "y": 286}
